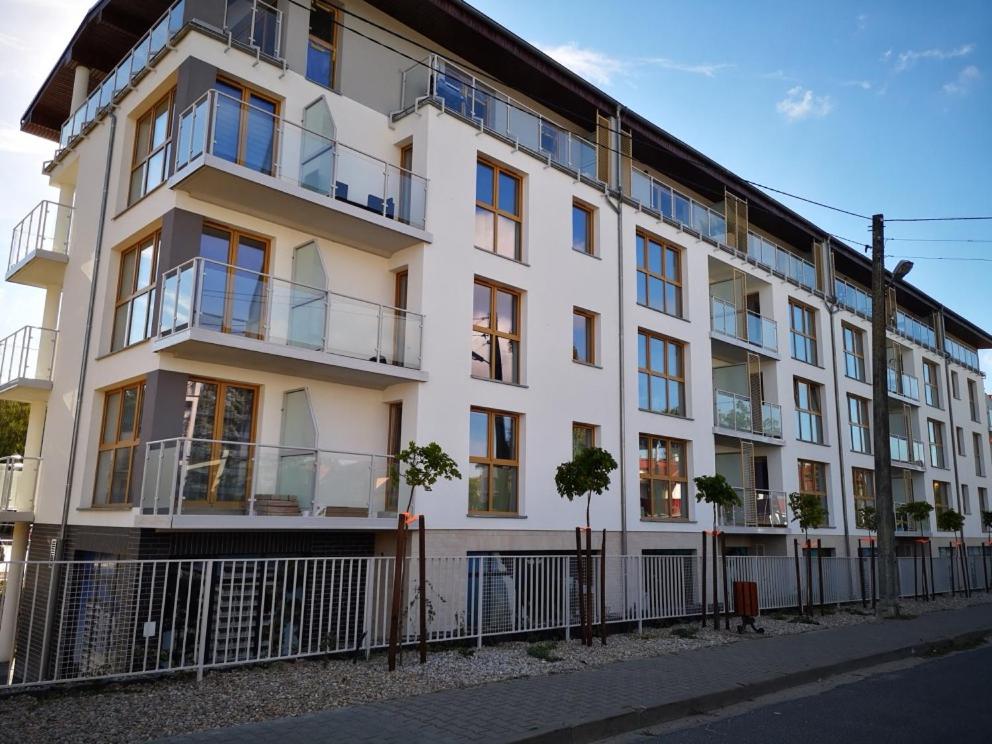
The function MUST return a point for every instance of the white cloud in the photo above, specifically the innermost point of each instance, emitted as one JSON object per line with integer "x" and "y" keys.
{"x": 861, "y": 21}
{"x": 801, "y": 103}
{"x": 598, "y": 67}
{"x": 905, "y": 60}
{"x": 707, "y": 70}
{"x": 965, "y": 79}
{"x": 15, "y": 142}
{"x": 863, "y": 84}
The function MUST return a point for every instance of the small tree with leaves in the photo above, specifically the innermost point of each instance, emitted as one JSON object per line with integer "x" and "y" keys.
{"x": 809, "y": 511}
{"x": 949, "y": 520}
{"x": 987, "y": 523}
{"x": 719, "y": 494}
{"x": 916, "y": 512}
{"x": 867, "y": 517}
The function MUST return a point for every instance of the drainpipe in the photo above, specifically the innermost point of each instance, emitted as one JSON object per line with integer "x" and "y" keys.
{"x": 833, "y": 308}
{"x": 620, "y": 308}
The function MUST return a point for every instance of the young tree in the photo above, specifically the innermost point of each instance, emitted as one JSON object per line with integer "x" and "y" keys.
{"x": 918, "y": 512}
{"x": 987, "y": 523}
{"x": 951, "y": 521}
{"x": 423, "y": 466}
{"x": 867, "y": 518}
{"x": 13, "y": 427}
{"x": 809, "y": 511}
{"x": 718, "y": 493}
{"x": 588, "y": 472}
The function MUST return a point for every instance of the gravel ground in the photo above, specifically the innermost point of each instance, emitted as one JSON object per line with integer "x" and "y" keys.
{"x": 139, "y": 711}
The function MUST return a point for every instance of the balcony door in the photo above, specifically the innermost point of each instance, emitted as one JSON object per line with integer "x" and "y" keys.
{"x": 246, "y": 127}
{"x": 219, "y": 425}
{"x": 234, "y": 285}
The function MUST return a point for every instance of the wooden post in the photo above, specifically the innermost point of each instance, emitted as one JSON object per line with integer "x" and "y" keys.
{"x": 799, "y": 583}
{"x": 953, "y": 587}
{"x": 602, "y": 590}
{"x": 965, "y": 573}
{"x": 985, "y": 566}
{"x": 933, "y": 581}
{"x": 861, "y": 576}
{"x": 819, "y": 570}
{"x": 590, "y": 581}
{"x": 581, "y": 582}
{"x": 874, "y": 588}
{"x": 916, "y": 582}
{"x": 423, "y": 589}
{"x": 702, "y": 585}
{"x": 809, "y": 577}
{"x": 723, "y": 561}
{"x": 394, "y": 609}
{"x": 923, "y": 565}
{"x": 716, "y": 597}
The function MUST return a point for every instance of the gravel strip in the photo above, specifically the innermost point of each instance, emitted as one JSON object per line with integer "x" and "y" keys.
{"x": 139, "y": 711}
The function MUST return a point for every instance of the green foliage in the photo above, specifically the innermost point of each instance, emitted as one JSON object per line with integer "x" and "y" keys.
{"x": 867, "y": 517}
{"x": 544, "y": 651}
{"x": 987, "y": 521}
{"x": 424, "y": 466}
{"x": 13, "y": 427}
{"x": 916, "y": 511}
{"x": 587, "y": 473}
{"x": 808, "y": 510}
{"x": 715, "y": 490}
{"x": 949, "y": 521}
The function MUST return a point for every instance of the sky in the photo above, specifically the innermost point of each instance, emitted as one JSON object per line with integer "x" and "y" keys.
{"x": 871, "y": 107}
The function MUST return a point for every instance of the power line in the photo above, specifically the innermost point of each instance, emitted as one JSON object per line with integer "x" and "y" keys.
{"x": 934, "y": 219}
{"x": 943, "y": 240}
{"x": 940, "y": 258}
{"x": 810, "y": 201}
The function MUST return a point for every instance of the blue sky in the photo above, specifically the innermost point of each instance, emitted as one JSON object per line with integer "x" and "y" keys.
{"x": 872, "y": 107}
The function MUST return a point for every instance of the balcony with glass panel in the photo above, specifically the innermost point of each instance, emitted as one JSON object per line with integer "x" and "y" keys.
{"x": 669, "y": 202}
{"x": 906, "y": 386}
{"x": 210, "y": 310}
{"x": 906, "y": 452}
{"x": 735, "y": 414}
{"x": 781, "y": 261}
{"x": 18, "y": 483}
{"x": 744, "y": 327}
{"x": 244, "y": 156}
{"x": 216, "y": 484}
{"x": 26, "y": 358}
{"x": 759, "y": 508}
{"x": 39, "y": 246}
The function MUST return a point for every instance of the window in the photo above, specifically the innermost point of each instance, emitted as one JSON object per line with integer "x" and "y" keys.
{"x": 976, "y": 446}
{"x": 940, "y": 501}
{"x": 973, "y": 402}
{"x": 931, "y": 390}
{"x": 860, "y": 427}
{"x": 955, "y": 389}
{"x": 119, "y": 435}
{"x": 582, "y": 229}
{"x": 583, "y": 437}
{"x": 394, "y": 445}
{"x": 664, "y": 482}
{"x": 497, "y": 210}
{"x": 813, "y": 479}
{"x": 936, "y": 431}
{"x": 322, "y": 51}
{"x": 152, "y": 149}
{"x": 809, "y": 417}
{"x": 244, "y": 127}
{"x": 959, "y": 434}
{"x": 854, "y": 353}
{"x": 659, "y": 275}
{"x": 135, "y": 302}
{"x": 495, "y": 333}
{"x": 965, "y": 499}
{"x": 863, "y": 483}
{"x": 235, "y": 287}
{"x": 803, "y": 335}
{"x": 983, "y": 498}
{"x": 583, "y": 336}
{"x": 495, "y": 463}
{"x": 661, "y": 374}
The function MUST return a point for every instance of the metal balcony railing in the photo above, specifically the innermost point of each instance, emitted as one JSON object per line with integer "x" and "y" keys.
{"x": 671, "y": 203}
{"x": 230, "y": 300}
{"x": 907, "y": 450}
{"x": 734, "y": 411}
{"x": 289, "y": 152}
{"x": 27, "y": 354}
{"x": 903, "y": 384}
{"x": 211, "y": 477}
{"x": 255, "y": 24}
{"x": 46, "y": 228}
{"x": 759, "y": 508}
{"x": 18, "y": 480}
{"x": 744, "y": 325}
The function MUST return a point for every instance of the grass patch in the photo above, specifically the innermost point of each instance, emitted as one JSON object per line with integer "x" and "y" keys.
{"x": 543, "y": 650}
{"x": 685, "y": 631}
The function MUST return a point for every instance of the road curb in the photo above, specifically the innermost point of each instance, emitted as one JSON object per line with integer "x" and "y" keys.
{"x": 590, "y": 731}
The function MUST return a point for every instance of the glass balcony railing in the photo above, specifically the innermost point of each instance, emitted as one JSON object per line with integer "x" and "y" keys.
{"x": 46, "y": 228}
{"x": 852, "y": 297}
{"x": 904, "y": 524}
{"x": 27, "y": 354}
{"x": 903, "y": 384}
{"x": 18, "y": 480}
{"x": 255, "y": 24}
{"x": 734, "y": 411}
{"x": 778, "y": 259}
{"x": 119, "y": 79}
{"x": 210, "y": 477}
{"x": 671, "y": 203}
{"x": 961, "y": 354}
{"x": 288, "y": 152}
{"x": 759, "y": 508}
{"x": 231, "y": 300}
{"x": 907, "y": 450}
{"x": 743, "y": 325}
{"x": 467, "y": 96}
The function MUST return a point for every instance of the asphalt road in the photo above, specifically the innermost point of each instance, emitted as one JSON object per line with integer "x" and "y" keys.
{"x": 945, "y": 699}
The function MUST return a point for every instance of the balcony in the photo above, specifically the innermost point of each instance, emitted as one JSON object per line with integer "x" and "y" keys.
{"x": 246, "y": 158}
{"x": 903, "y": 385}
{"x": 735, "y": 412}
{"x": 255, "y": 24}
{"x": 39, "y": 246}
{"x": 906, "y": 451}
{"x": 668, "y": 202}
{"x": 18, "y": 480}
{"x": 760, "y": 508}
{"x": 217, "y": 484}
{"x": 26, "y": 359}
{"x": 461, "y": 93}
{"x": 743, "y": 325}
{"x": 258, "y": 321}
{"x": 781, "y": 261}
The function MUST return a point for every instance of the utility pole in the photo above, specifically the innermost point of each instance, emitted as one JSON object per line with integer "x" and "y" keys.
{"x": 888, "y": 593}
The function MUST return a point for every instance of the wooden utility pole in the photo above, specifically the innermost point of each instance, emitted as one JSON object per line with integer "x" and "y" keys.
{"x": 887, "y": 566}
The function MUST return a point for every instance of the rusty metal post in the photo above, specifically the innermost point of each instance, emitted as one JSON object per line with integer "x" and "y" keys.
{"x": 581, "y": 582}
{"x": 874, "y": 585}
{"x": 394, "y": 610}
{"x": 861, "y": 576}
{"x": 590, "y": 582}
{"x": 953, "y": 587}
{"x": 423, "y": 589}
{"x": 799, "y": 583}
{"x": 819, "y": 570}
{"x": 723, "y": 562}
{"x": 716, "y": 597}
{"x": 602, "y": 589}
{"x": 702, "y": 585}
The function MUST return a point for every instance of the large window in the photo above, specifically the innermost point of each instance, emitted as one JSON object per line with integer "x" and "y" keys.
{"x": 983, "y": 498}
{"x": 583, "y": 336}
{"x": 977, "y": 448}
{"x": 660, "y": 374}
{"x": 955, "y": 385}
{"x": 941, "y": 500}
{"x": 235, "y": 287}
{"x": 931, "y": 389}
{"x": 135, "y": 300}
{"x": 860, "y": 414}
{"x": 495, "y": 462}
{"x": 664, "y": 480}
{"x": 854, "y": 353}
{"x": 495, "y": 333}
{"x": 976, "y": 415}
{"x": 809, "y": 412}
{"x": 244, "y": 127}
{"x": 583, "y": 437}
{"x": 497, "y": 210}
{"x": 936, "y": 431}
{"x": 802, "y": 319}
{"x": 152, "y": 149}
{"x": 659, "y": 275}
{"x": 582, "y": 229}
{"x": 863, "y": 484}
{"x": 965, "y": 499}
{"x": 119, "y": 435}
{"x": 322, "y": 49}
{"x": 813, "y": 479}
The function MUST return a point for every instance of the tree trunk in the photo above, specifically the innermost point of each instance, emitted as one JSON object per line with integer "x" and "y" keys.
{"x": 394, "y": 610}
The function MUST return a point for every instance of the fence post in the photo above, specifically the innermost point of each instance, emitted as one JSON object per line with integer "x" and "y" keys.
{"x": 478, "y": 604}
{"x": 208, "y": 575}
{"x": 640, "y": 596}
{"x": 566, "y": 599}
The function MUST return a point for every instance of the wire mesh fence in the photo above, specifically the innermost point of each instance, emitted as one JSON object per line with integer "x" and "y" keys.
{"x": 83, "y": 620}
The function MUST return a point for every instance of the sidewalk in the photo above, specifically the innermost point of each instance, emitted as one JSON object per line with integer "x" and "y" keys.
{"x": 588, "y": 705}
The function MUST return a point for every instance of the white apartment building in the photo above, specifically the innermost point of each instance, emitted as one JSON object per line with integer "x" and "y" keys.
{"x": 292, "y": 237}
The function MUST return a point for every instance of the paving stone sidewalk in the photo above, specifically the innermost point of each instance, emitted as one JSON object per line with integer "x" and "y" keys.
{"x": 601, "y": 701}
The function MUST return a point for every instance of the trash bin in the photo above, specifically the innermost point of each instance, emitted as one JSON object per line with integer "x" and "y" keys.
{"x": 746, "y": 604}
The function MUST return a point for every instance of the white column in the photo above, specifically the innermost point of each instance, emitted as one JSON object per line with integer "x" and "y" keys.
{"x": 63, "y": 218}
{"x": 12, "y": 593}
{"x": 80, "y": 86}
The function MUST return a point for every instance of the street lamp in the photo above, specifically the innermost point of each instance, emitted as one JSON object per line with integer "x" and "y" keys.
{"x": 902, "y": 268}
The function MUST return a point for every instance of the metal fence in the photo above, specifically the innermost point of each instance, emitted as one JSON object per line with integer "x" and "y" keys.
{"x": 86, "y": 620}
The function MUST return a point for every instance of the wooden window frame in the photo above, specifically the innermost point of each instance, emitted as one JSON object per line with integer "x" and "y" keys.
{"x": 334, "y": 45}
{"x": 497, "y": 212}
{"x": 493, "y": 330}
{"x": 650, "y": 477}
{"x": 862, "y": 479}
{"x": 857, "y": 353}
{"x": 931, "y": 388}
{"x": 119, "y": 444}
{"x": 821, "y": 469}
{"x": 140, "y": 160}
{"x": 973, "y": 402}
{"x": 591, "y": 336}
{"x": 136, "y": 292}
{"x": 976, "y": 447}
{"x": 247, "y": 92}
{"x": 935, "y": 435}
{"x": 955, "y": 385}
{"x": 815, "y": 413}
{"x": 233, "y": 239}
{"x": 642, "y": 242}
{"x": 664, "y": 373}
{"x": 590, "y": 223}
{"x": 863, "y": 424}
{"x": 591, "y": 429}
{"x": 809, "y": 318}
{"x": 942, "y": 487}
{"x": 492, "y": 461}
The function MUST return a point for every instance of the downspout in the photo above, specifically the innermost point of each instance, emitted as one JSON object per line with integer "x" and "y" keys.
{"x": 833, "y": 308}
{"x": 621, "y": 318}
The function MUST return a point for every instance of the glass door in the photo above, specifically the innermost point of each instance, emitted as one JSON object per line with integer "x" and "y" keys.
{"x": 245, "y": 127}
{"x": 234, "y": 287}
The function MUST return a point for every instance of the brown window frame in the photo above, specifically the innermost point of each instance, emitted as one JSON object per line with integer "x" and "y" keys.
{"x": 973, "y": 402}
{"x": 643, "y": 240}
{"x": 935, "y": 435}
{"x": 491, "y": 461}
{"x": 141, "y": 160}
{"x": 978, "y": 450}
{"x": 332, "y": 46}
{"x": 117, "y": 444}
{"x": 931, "y": 388}
{"x": 814, "y": 412}
{"x": 247, "y": 91}
{"x": 863, "y": 424}
{"x": 650, "y": 371}
{"x": 647, "y": 475}
{"x": 497, "y": 212}
{"x": 863, "y": 490}
{"x": 857, "y": 353}
{"x": 819, "y": 468}
{"x": 590, "y": 432}
{"x": 590, "y": 321}
{"x": 944, "y": 504}
{"x": 589, "y": 214}
{"x": 809, "y": 318}
{"x": 127, "y": 301}
{"x": 493, "y": 331}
